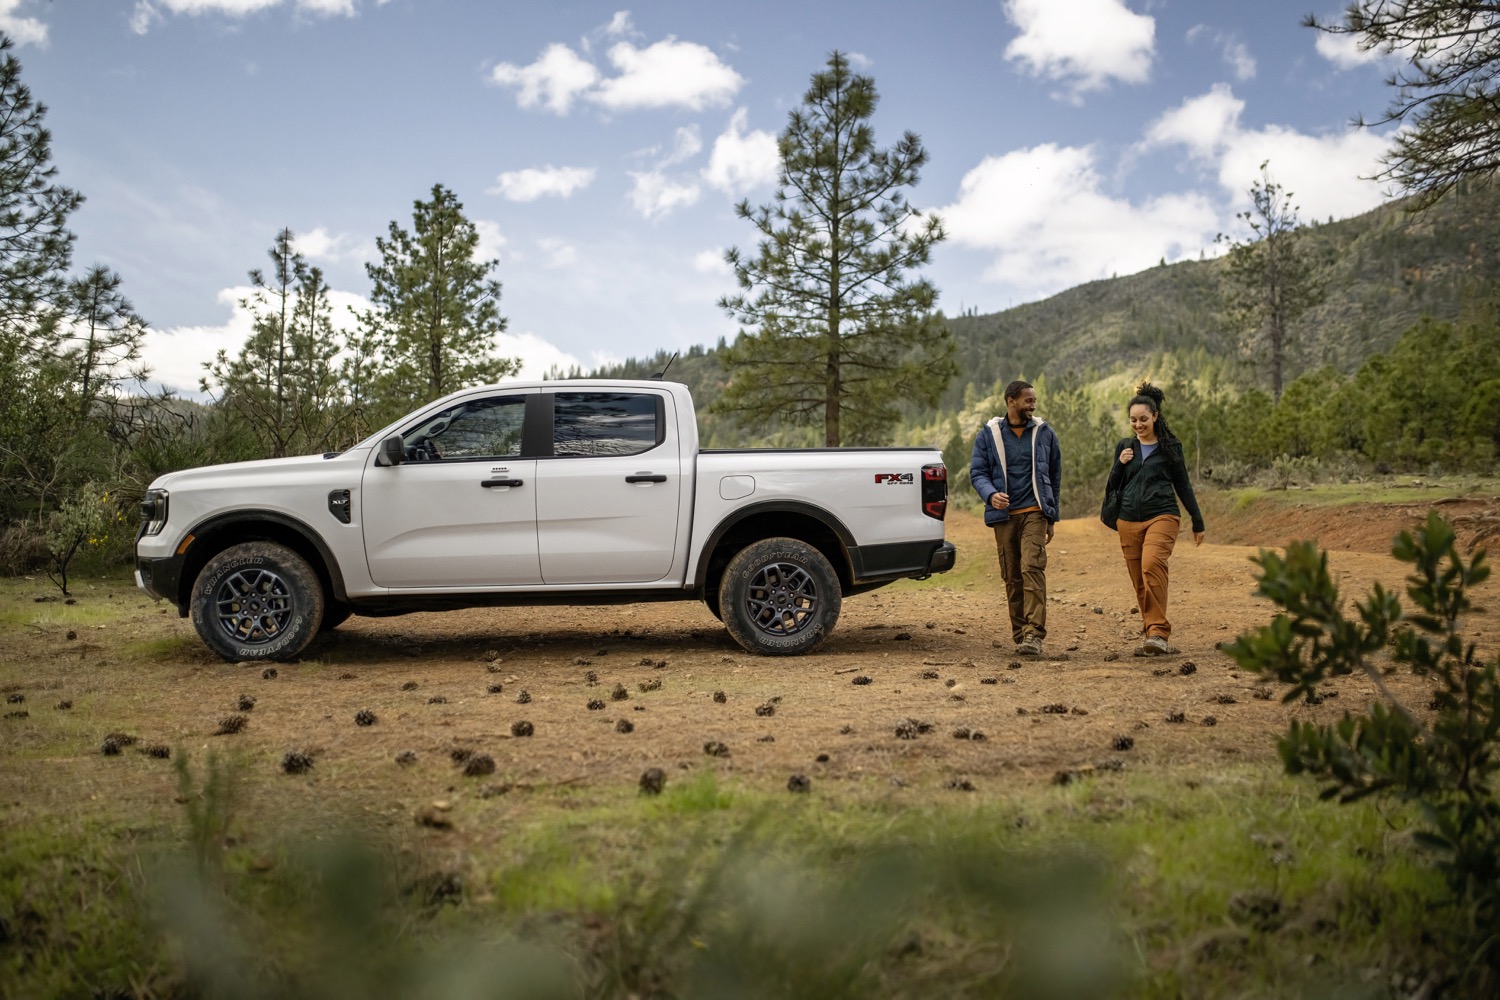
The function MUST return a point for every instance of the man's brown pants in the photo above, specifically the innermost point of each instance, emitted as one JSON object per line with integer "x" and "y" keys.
{"x": 1147, "y": 545}
{"x": 1021, "y": 544}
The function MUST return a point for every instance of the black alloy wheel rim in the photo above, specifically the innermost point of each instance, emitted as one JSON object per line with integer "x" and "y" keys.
{"x": 783, "y": 599}
{"x": 253, "y": 606}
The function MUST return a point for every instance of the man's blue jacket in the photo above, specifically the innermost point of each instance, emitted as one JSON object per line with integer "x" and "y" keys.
{"x": 987, "y": 467}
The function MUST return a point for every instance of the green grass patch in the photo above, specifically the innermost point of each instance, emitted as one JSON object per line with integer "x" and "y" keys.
{"x": 1124, "y": 885}
{"x": 974, "y": 566}
{"x": 1386, "y": 490}
{"x": 36, "y": 602}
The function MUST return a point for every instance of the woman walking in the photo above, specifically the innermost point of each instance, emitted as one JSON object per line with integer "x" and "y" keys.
{"x": 1151, "y": 474}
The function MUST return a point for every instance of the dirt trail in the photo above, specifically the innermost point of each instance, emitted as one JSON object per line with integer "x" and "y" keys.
{"x": 879, "y": 708}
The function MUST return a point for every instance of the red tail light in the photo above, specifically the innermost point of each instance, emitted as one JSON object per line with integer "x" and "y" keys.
{"x": 935, "y": 490}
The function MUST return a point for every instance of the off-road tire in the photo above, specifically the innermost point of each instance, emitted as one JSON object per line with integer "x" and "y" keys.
{"x": 779, "y": 597}
{"x": 257, "y": 601}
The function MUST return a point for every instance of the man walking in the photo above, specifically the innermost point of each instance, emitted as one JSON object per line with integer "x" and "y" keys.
{"x": 1016, "y": 468}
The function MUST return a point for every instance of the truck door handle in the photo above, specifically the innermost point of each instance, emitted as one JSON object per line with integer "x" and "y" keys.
{"x": 488, "y": 483}
{"x": 645, "y": 477}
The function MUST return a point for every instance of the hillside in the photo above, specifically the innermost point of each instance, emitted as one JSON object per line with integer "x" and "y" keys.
{"x": 1381, "y": 272}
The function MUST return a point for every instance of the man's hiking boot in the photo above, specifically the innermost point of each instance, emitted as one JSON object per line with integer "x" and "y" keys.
{"x": 1029, "y": 646}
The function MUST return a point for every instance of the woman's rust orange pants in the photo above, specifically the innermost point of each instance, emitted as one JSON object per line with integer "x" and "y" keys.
{"x": 1147, "y": 546}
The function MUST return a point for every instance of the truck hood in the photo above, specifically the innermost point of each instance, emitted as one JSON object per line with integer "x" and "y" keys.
{"x": 258, "y": 470}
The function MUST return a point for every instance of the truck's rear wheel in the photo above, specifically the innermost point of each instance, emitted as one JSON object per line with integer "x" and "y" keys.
{"x": 257, "y": 601}
{"x": 779, "y": 597}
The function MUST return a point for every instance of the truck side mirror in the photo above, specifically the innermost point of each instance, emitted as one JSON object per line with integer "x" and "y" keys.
{"x": 391, "y": 451}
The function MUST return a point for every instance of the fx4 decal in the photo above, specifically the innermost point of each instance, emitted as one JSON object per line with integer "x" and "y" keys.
{"x": 894, "y": 478}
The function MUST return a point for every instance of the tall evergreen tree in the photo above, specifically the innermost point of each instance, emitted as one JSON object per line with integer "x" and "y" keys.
{"x": 106, "y": 336}
{"x": 35, "y": 243}
{"x": 35, "y": 250}
{"x": 1447, "y": 95}
{"x": 1271, "y": 278}
{"x": 435, "y": 309}
{"x": 284, "y": 382}
{"x": 838, "y": 330}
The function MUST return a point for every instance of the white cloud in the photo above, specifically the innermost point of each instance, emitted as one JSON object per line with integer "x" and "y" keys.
{"x": 620, "y": 24}
{"x": 1236, "y": 54}
{"x": 655, "y": 194}
{"x": 537, "y": 356}
{"x": 558, "y": 76}
{"x": 742, "y": 160}
{"x": 1345, "y": 51}
{"x": 1325, "y": 174}
{"x": 687, "y": 143}
{"x": 176, "y": 355}
{"x": 320, "y": 244}
{"x": 328, "y": 8}
{"x": 147, "y": 12}
{"x": 22, "y": 30}
{"x": 1043, "y": 213}
{"x": 540, "y": 182}
{"x": 712, "y": 262}
{"x": 1203, "y": 124}
{"x": 1086, "y": 43}
{"x": 1323, "y": 171}
{"x": 491, "y": 240}
{"x": 668, "y": 73}
{"x": 559, "y": 253}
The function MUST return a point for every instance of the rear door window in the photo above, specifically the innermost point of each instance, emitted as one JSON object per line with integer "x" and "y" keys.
{"x": 602, "y": 424}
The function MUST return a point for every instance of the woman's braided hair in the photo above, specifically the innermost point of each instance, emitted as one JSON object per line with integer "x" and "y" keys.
{"x": 1152, "y": 397}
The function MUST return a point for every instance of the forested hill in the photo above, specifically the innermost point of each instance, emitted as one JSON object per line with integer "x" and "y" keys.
{"x": 1381, "y": 272}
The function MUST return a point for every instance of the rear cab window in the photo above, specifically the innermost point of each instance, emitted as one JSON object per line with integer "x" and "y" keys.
{"x": 607, "y": 424}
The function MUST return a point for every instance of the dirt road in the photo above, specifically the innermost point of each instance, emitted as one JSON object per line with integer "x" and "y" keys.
{"x": 609, "y": 692}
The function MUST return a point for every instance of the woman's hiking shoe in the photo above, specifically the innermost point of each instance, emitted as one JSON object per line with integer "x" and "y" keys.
{"x": 1155, "y": 645}
{"x": 1029, "y": 646}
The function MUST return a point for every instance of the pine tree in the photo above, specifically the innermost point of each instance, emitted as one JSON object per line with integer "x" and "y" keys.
{"x": 1447, "y": 96}
{"x": 35, "y": 243}
{"x": 1271, "y": 279}
{"x": 435, "y": 309}
{"x": 105, "y": 339}
{"x": 35, "y": 250}
{"x": 284, "y": 383}
{"x": 838, "y": 331}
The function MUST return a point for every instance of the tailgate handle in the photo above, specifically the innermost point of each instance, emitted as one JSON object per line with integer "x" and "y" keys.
{"x": 500, "y": 482}
{"x": 645, "y": 477}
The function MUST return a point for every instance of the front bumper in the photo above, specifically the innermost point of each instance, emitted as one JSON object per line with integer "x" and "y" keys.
{"x": 162, "y": 579}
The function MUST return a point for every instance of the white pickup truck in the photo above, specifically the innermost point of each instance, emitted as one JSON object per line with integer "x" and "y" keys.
{"x": 542, "y": 492}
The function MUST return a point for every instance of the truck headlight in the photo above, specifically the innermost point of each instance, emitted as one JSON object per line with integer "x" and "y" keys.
{"x": 153, "y": 512}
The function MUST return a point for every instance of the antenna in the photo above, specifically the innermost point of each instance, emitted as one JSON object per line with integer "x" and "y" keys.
{"x": 663, "y": 373}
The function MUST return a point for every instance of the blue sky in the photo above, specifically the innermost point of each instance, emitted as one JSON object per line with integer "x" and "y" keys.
{"x": 601, "y": 148}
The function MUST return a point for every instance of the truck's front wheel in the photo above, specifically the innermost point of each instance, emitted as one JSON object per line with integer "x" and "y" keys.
{"x": 257, "y": 601}
{"x": 779, "y": 597}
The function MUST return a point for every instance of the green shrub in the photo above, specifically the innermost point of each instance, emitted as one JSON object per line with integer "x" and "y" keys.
{"x": 1444, "y": 759}
{"x": 1287, "y": 470}
{"x": 84, "y": 522}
